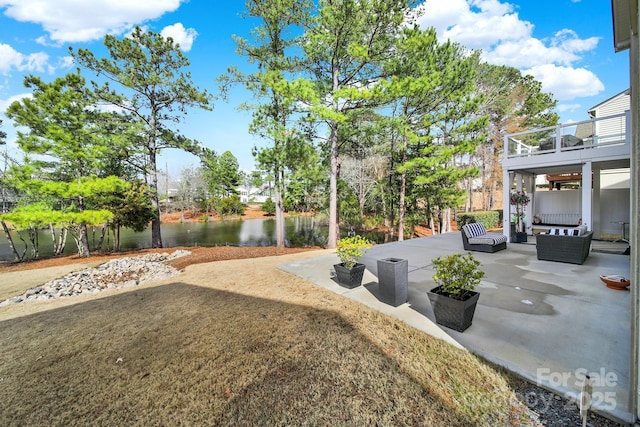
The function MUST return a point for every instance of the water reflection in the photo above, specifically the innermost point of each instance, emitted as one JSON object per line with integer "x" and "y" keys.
{"x": 299, "y": 232}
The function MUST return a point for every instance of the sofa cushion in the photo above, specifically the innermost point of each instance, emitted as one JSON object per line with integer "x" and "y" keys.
{"x": 558, "y": 219}
{"x": 474, "y": 230}
{"x": 488, "y": 239}
{"x": 578, "y": 231}
{"x": 561, "y": 232}
{"x": 582, "y": 230}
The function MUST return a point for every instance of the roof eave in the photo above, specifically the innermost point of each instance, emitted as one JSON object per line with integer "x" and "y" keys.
{"x": 625, "y": 23}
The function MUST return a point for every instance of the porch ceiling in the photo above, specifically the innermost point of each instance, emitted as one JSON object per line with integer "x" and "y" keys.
{"x": 576, "y": 167}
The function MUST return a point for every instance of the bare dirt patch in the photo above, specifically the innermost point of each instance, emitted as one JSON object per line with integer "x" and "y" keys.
{"x": 198, "y": 255}
{"x": 251, "y": 211}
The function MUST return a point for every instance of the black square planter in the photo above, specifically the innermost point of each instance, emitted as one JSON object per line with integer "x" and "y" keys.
{"x": 393, "y": 278}
{"x": 349, "y": 277}
{"x": 453, "y": 313}
{"x": 517, "y": 236}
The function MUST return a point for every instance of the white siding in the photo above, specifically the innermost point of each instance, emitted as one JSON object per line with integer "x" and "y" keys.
{"x": 615, "y": 179}
{"x": 609, "y": 131}
{"x": 565, "y": 205}
{"x": 617, "y": 104}
{"x": 564, "y": 202}
{"x": 614, "y": 208}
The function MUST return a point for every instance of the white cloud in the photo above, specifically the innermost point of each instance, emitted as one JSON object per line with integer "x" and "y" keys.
{"x": 570, "y": 108}
{"x": 66, "y": 62}
{"x": 12, "y": 59}
{"x": 4, "y": 103}
{"x": 505, "y": 39}
{"x": 474, "y": 23}
{"x": 74, "y": 21}
{"x": 183, "y": 36}
{"x": 441, "y": 15}
{"x": 563, "y": 48}
{"x": 566, "y": 83}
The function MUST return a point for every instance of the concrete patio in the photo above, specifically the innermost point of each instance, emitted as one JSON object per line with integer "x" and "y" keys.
{"x": 550, "y": 322}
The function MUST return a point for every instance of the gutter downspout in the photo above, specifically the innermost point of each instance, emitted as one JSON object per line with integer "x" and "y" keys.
{"x": 634, "y": 58}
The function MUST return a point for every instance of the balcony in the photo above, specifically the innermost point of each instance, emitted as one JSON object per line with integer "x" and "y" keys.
{"x": 603, "y": 140}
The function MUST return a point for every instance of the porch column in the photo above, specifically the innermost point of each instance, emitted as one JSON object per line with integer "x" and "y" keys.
{"x": 529, "y": 185}
{"x": 587, "y": 183}
{"x": 506, "y": 208}
{"x": 595, "y": 212}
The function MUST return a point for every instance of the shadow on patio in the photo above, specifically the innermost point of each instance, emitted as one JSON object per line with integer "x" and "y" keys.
{"x": 547, "y": 321}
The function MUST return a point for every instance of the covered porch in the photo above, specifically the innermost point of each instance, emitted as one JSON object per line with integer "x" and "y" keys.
{"x": 580, "y": 152}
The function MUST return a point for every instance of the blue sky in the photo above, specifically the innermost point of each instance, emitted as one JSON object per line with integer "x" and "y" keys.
{"x": 566, "y": 44}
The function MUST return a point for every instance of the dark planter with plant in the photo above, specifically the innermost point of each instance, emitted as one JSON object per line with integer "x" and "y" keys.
{"x": 519, "y": 199}
{"x": 454, "y": 299}
{"x": 517, "y": 236}
{"x": 350, "y": 249}
{"x": 393, "y": 278}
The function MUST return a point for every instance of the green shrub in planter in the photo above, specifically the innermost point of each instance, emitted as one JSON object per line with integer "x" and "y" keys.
{"x": 457, "y": 274}
{"x": 454, "y": 299}
{"x": 350, "y": 249}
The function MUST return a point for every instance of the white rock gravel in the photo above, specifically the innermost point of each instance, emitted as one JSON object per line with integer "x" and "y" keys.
{"x": 113, "y": 274}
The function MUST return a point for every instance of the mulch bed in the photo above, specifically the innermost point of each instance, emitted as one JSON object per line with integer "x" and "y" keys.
{"x": 198, "y": 255}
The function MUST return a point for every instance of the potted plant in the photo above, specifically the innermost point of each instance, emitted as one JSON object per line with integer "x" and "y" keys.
{"x": 454, "y": 299}
{"x": 519, "y": 199}
{"x": 350, "y": 249}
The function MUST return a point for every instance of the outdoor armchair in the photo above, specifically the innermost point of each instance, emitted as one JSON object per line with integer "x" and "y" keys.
{"x": 476, "y": 238}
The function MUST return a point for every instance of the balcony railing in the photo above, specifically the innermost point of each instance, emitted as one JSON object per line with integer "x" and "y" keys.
{"x": 588, "y": 134}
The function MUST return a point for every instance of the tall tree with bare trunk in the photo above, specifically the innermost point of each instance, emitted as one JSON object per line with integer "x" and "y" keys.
{"x": 346, "y": 46}
{"x": 156, "y": 93}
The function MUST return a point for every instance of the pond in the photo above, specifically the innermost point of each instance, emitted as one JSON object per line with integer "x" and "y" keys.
{"x": 299, "y": 232}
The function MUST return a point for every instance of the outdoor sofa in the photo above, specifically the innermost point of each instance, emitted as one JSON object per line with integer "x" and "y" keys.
{"x": 570, "y": 245}
{"x": 476, "y": 238}
{"x": 543, "y": 222}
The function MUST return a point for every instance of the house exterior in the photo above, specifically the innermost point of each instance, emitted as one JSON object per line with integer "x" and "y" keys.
{"x": 614, "y": 105}
{"x": 610, "y": 107}
{"x": 594, "y": 154}
{"x": 625, "y": 34}
{"x": 251, "y": 194}
{"x": 610, "y": 217}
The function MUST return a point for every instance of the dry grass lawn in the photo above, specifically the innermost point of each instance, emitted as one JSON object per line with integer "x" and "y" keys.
{"x": 235, "y": 342}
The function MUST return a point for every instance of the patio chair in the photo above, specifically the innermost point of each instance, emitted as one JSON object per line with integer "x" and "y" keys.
{"x": 476, "y": 238}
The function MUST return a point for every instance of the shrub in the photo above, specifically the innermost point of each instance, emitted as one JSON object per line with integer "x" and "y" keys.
{"x": 231, "y": 206}
{"x": 371, "y": 222}
{"x": 350, "y": 249}
{"x": 457, "y": 274}
{"x": 269, "y": 207}
{"x": 490, "y": 219}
